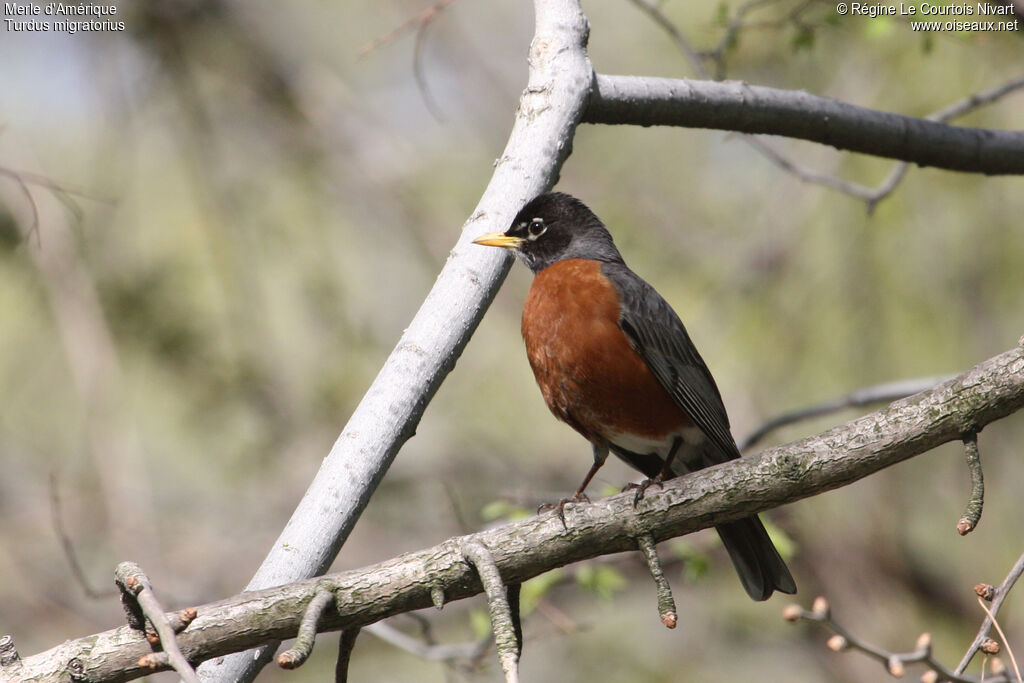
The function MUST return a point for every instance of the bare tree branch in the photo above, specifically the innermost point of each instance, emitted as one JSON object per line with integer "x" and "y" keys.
{"x": 877, "y": 393}
{"x": 972, "y": 511}
{"x": 894, "y": 662}
{"x": 140, "y": 601}
{"x": 522, "y": 550}
{"x": 997, "y": 596}
{"x": 871, "y": 195}
{"x": 747, "y": 108}
{"x": 549, "y": 111}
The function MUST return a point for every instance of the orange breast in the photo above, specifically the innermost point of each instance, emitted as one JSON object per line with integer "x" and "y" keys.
{"x": 589, "y": 374}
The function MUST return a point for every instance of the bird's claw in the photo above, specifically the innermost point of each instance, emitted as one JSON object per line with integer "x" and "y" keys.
{"x": 642, "y": 487}
{"x": 559, "y": 507}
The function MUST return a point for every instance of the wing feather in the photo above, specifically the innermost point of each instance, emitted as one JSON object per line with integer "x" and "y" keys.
{"x": 658, "y": 335}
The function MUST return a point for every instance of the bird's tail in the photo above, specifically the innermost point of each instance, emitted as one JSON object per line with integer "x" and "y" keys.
{"x": 758, "y": 563}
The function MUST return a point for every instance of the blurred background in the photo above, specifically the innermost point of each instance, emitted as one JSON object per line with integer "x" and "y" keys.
{"x": 236, "y": 208}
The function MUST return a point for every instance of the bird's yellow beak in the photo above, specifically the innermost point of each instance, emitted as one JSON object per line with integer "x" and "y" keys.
{"x": 499, "y": 239}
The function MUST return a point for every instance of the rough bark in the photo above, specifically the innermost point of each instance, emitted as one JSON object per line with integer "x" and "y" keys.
{"x": 524, "y": 549}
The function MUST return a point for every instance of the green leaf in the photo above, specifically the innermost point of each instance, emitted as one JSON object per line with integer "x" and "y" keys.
{"x": 722, "y": 14}
{"x": 480, "y": 622}
{"x": 600, "y": 579}
{"x": 696, "y": 567}
{"x": 803, "y": 39}
{"x": 535, "y": 589}
{"x": 696, "y": 562}
{"x": 503, "y": 509}
{"x": 879, "y": 28}
{"x": 783, "y": 541}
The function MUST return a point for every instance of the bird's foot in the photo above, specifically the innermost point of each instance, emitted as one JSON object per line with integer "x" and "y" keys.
{"x": 559, "y": 507}
{"x": 642, "y": 487}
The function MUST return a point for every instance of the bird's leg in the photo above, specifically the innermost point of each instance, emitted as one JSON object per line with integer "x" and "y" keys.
{"x": 600, "y": 455}
{"x": 665, "y": 473}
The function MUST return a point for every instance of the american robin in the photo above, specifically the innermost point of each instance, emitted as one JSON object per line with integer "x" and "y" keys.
{"x": 614, "y": 362}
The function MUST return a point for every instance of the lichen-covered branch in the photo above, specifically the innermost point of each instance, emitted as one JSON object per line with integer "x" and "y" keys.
{"x": 666, "y": 604}
{"x": 527, "y": 548}
{"x": 503, "y": 622}
{"x": 972, "y": 511}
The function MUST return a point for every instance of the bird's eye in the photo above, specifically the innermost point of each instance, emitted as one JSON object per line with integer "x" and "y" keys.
{"x": 536, "y": 228}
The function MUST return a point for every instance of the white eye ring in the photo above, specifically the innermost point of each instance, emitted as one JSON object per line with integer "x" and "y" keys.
{"x": 536, "y": 228}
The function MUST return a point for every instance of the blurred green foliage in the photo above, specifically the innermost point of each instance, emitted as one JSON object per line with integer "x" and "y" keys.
{"x": 279, "y": 208}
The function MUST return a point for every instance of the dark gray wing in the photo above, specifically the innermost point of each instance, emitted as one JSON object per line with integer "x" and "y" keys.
{"x": 658, "y": 335}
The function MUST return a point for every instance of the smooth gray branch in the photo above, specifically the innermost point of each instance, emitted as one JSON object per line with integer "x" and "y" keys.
{"x": 549, "y": 111}
{"x": 524, "y": 549}
{"x": 745, "y": 108}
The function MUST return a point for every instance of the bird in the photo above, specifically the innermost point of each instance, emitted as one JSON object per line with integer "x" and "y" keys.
{"x": 614, "y": 361}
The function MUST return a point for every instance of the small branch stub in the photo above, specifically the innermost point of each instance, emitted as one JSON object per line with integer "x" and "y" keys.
{"x": 296, "y": 656}
{"x": 346, "y": 643}
{"x": 666, "y": 604}
{"x": 502, "y": 620}
{"x": 437, "y": 597}
{"x": 126, "y": 578}
{"x": 9, "y": 657}
{"x": 972, "y": 512}
{"x": 141, "y": 604}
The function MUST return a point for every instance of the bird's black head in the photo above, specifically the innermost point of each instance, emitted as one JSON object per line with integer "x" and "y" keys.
{"x": 554, "y": 227}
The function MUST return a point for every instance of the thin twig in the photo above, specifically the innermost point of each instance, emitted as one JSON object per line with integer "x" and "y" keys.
{"x": 877, "y": 393}
{"x": 972, "y": 511}
{"x": 419, "y": 19}
{"x": 393, "y": 636}
{"x": 1002, "y": 636}
{"x": 135, "y": 586}
{"x": 871, "y": 195}
{"x": 346, "y": 643}
{"x": 894, "y": 662}
{"x": 661, "y": 19}
{"x": 998, "y": 596}
{"x": 296, "y": 655}
{"x": 666, "y": 605}
{"x": 68, "y": 547}
{"x": 55, "y": 186}
{"x": 419, "y": 76}
{"x": 33, "y": 227}
{"x": 502, "y": 620}
{"x": 969, "y": 103}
